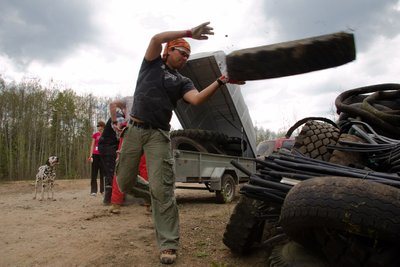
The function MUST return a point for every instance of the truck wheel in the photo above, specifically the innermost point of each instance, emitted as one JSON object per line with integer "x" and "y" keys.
{"x": 199, "y": 134}
{"x": 246, "y": 229}
{"x": 210, "y": 140}
{"x": 185, "y": 143}
{"x": 228, "y": 189}
{"x": 314, "y": 138}
{"x": 349, "y": 205}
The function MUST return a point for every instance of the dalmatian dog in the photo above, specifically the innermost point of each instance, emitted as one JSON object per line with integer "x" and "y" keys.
{"x": 46, "y": 176}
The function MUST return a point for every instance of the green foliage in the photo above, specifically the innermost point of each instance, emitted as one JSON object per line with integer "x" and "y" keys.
{"x": 37, "y": 122}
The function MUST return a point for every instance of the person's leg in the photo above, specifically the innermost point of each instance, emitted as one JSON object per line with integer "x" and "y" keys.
{"x": 96, "y": 168}
{"x": 93, "y": 178}
{"x": 101, "y": 169}
{"x": 127, "y": 167}
{"x": 117, "y": 197}
{"x": 162, "y": 183}
{"x": 109, "y": 168}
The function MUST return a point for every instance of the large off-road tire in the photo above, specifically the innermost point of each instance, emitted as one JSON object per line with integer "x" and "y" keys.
{"x": 246, "y": 229}
{"x": 201, "y": 135}
{"x": 228, "y": 189}
{"x": 290, "y": 58}
{"x": 210, "y": 140}
{"x": 353, "y": 205}
{"x": 321, "y": 211}
{"x": 185, "y": 143}
{"x": 314, "y": 138}
{"x": 235, "y": 146}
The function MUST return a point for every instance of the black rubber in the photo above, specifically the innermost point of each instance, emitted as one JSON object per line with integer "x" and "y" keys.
{"x": 290, "y": 58}
{"x": 314, "y": 138}
{"x": 350, "y": 205}
{"x": 213, "y": 142}
{"x": 247, "y": 228}
{"x": 186, "y": 143}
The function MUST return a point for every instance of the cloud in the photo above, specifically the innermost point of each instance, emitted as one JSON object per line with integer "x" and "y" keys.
{"x": 368, "y": 19}
{"x": 95, "y": 46}
{"x": 44, "y": 30}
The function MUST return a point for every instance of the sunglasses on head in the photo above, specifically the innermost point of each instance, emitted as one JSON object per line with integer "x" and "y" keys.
{"x": 182, "y": 52}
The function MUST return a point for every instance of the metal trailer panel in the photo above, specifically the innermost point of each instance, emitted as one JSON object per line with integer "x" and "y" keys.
{"x": 225, "y": 111}
{"x": 196, "y": 167}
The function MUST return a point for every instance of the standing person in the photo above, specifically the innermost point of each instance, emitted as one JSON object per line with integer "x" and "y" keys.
{"x": 94, "y": 158}
{"x": 108, "y": 143}
{"x": 158, "y": 88}
{"x": 124, "y": 105}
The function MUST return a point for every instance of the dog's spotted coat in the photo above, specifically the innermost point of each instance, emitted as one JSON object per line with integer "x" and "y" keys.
{"x": 46, "y": 176}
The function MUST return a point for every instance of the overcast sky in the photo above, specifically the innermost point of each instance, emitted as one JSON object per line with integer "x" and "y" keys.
{"x": 96, "y": 46}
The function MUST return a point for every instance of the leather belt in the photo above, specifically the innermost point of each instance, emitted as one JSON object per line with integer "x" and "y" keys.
{"x": 141, "y": 125}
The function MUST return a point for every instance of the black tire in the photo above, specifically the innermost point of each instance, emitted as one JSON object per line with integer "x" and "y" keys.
{"x": 228, "y": 189}
{"x": 292, "y": 254}
{"x": 350, "y": 205}
{"x": 233, "y": 146}
{"x": 185, "y": 143}
{"x": 210, "y": 140}
{"x": 314, "y": 138}
{"x": 291, "y": 58}
{"x": 246, "y": 229}
{"x": 201, "y": 135}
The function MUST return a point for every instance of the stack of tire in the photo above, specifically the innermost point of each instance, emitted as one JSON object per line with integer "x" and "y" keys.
{"x": 327, "y": 221}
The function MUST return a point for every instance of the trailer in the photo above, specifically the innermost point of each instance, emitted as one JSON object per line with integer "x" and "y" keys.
{"x": 214, "y": 134}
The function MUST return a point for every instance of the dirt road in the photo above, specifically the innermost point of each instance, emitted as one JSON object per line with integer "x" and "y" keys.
{"x": 77, "y": 230}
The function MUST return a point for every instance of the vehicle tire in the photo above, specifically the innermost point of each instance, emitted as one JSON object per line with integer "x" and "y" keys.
{"x": 185, "y": 143}
{"x": 314, "y": 138}
{"x": 290, "y": 58}
{"x": 292, "y": 254}
{"x": 233, "y": 146}
{"x": 228, "y": 189}
{"x": 210, "y": 140}
{"x": 246, "y": 229}
{"x": 350, "y": 205}
{"x": 201, "y": 135}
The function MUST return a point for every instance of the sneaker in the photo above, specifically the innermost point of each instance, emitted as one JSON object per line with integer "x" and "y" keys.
{"x": 168, "y": 256}
{"x": 115, "y": 208}
{"x": 93, "y": 194}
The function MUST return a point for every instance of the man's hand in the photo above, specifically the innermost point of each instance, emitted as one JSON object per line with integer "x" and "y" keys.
{"x": 225, "y": 79}
{"x": 200, "y": 32}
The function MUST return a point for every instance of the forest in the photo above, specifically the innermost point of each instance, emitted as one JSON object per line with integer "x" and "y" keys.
{"x": 39, "y": 121}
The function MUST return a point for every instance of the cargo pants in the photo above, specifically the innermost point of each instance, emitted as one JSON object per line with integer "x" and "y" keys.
{"x": 156, "y": 145}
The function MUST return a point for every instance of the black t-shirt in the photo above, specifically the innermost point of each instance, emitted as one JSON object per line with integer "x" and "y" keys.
{"x": 158, "y": 90}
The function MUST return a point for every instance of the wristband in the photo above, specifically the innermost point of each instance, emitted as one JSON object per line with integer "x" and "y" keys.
{"x": 189, "y": 33}
{"x": 220, "y": 83}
